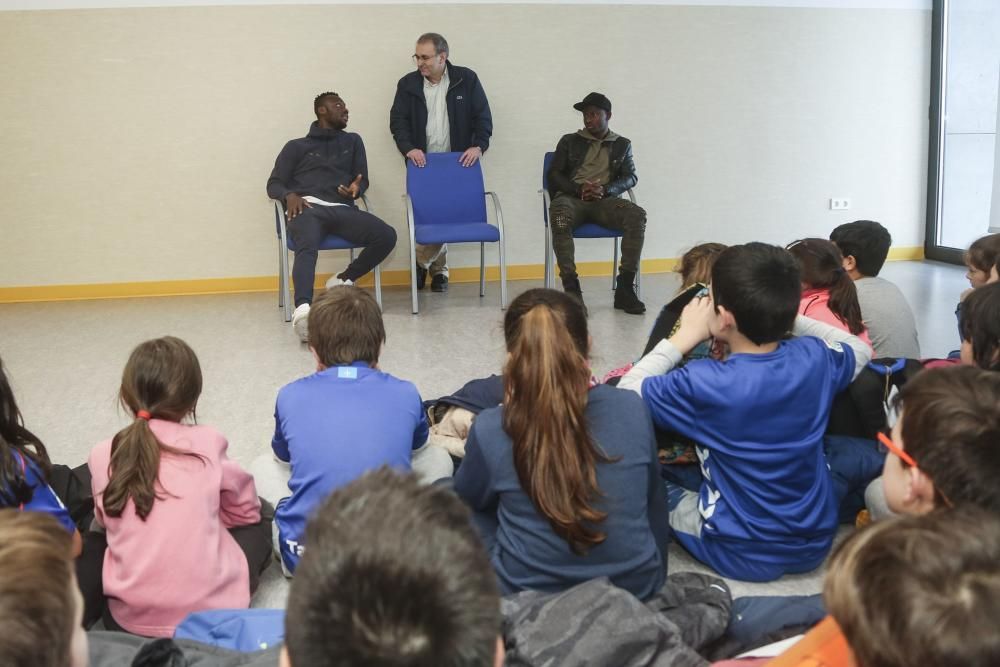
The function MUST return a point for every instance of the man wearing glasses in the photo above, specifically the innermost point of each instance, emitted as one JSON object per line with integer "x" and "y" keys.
{"x": 439, "y": 108}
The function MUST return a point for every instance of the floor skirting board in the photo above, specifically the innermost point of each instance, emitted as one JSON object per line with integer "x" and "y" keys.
{"x": 395, "y": 277}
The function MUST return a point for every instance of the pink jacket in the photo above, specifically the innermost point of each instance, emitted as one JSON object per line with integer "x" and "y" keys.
{"x": 815, "y": 304}
{"x": 181, "y": 558}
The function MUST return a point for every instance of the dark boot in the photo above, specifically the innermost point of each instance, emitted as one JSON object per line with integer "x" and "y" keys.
{"x": 571, "y": 285}
{"x": 625, "y": 297}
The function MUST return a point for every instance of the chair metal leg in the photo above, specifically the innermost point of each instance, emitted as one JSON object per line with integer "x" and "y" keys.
{"x": 413, "y": 252}
{"x": 503, "y": 275}
{"x": 281, "y": 279}
{"x": 638, "y": 280}
{"x": 482, "y": 269}
{"x": 614, "y": 265}
{"x": 378, "y": 285}
{"x": 547, "y": 277}
{"x": 287, "y": 288}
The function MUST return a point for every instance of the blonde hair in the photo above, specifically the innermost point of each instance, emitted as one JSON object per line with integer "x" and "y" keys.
{"x": 696, "y": 264}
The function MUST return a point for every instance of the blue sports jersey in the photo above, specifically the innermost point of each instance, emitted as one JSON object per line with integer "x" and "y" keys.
{"x": 43, "y": 498}
{"x": 332, "y": 427}
{"x": 759, "y": 419}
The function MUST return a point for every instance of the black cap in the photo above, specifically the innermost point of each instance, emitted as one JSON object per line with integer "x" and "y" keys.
{"x": 594, "y": 100}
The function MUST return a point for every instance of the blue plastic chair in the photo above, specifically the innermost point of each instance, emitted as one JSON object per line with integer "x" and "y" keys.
{"x": 588, "y": 230}
{"x": 446, "y": 203}
{"x": 329, "y": 242}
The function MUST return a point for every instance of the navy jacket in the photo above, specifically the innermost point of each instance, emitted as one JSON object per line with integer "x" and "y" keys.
{"x": 468, "y": 112}
{"x": 317, "y": 164}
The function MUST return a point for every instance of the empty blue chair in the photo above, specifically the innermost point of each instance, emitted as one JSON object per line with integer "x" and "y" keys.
{"x": 587, "y": 230}
{"x": 329, "y": 242}
{"x": 446, "y": 203}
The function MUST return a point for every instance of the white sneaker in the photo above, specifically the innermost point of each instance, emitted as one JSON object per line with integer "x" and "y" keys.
{"x": 300, "y": 322}
{"x": 334, "y": 281}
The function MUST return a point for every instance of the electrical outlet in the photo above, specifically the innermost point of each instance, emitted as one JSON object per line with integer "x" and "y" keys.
{"x": 840, "y": 204}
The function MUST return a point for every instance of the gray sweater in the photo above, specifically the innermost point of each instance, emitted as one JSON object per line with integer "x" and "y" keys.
{"x": 889, "y": 319}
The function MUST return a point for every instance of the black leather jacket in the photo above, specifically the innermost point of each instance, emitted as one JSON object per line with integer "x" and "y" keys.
{"x": 570, "y": 153}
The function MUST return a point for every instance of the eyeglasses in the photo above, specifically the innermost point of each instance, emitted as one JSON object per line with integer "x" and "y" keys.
{"x": 897, "y": 450}
{"x": 910, "y": 461}
{"x": 423, "y": 59}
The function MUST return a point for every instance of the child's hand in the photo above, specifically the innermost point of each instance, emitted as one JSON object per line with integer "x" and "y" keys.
{"x": 695, "y": 320}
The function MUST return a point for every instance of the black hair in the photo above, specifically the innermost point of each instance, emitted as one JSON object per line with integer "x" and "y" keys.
{"x": 761, "y": 286}
{"x": 980, "y": 325}
{"x": 393, "y": 575}
{"x": 15, "y": 438}
{"x": 866, "y": 241}
{"x": 318, "y": 102}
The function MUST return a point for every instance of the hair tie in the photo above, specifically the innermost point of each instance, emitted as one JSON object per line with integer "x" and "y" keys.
{"x": 143, "y": 414}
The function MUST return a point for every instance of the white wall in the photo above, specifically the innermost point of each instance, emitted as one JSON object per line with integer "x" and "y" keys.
{"x": 137, "y": 142}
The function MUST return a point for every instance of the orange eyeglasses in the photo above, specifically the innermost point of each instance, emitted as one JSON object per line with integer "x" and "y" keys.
{"x": 910, "y": 461}
{"x": 895, "y": 449}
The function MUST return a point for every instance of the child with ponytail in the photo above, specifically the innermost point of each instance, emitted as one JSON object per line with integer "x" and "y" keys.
{"x": 828, "y": 293}
{"x": 183, "y": 521}
{"x": 563, "y": 477}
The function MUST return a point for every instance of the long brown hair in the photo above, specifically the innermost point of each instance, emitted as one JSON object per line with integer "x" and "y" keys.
{"x": 162, "y": 378}
{"x": 546, "y": 380}
{"x": 822, "y": 267}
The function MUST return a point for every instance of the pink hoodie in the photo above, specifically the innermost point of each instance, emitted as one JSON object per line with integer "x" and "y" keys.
{"x": 815, "y": 304}
{"x": 181, "y": 558}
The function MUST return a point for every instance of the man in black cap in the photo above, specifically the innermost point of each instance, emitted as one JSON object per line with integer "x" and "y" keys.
{"x": 591, "y": 169}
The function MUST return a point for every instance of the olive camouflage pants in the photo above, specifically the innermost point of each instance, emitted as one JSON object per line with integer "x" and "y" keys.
{"x": 566, "y": 213}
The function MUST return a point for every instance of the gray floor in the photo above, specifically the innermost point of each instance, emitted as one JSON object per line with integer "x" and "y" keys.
{"x": 65, "y": 359}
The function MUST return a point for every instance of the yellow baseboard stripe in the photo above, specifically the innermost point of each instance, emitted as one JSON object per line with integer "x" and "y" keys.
{"x": 908, "y": 253}
{"x": 393, "y": 278}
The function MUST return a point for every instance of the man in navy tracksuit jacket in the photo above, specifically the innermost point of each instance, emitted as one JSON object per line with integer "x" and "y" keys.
{"x": 439, "y": 108}
{"x": 319, "y": 177}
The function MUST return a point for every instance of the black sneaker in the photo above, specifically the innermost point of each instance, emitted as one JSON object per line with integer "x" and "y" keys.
{"x": 439, "y": 283}
{"x": 421, "y": 277}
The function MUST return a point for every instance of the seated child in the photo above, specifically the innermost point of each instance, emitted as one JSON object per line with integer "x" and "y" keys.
{"x": 864, "y": 245}
{"x": 766, "y": 505}
{"x": 828, "y": 293}
{"x": 980, "y": 259}
{"x": 183, "y": 521}
{"x": 563, "y": 476}
{"x": 910, "y": 591}
{"x": 25, "y": 466}
{"x": 40, "y": 605}
{"x": 945, "y": 446}
{"x": 980, "y": 328}
{"x": 394, "y": 575}
{"x": 696, "y": 272}
{"x": 345, "y": 419}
